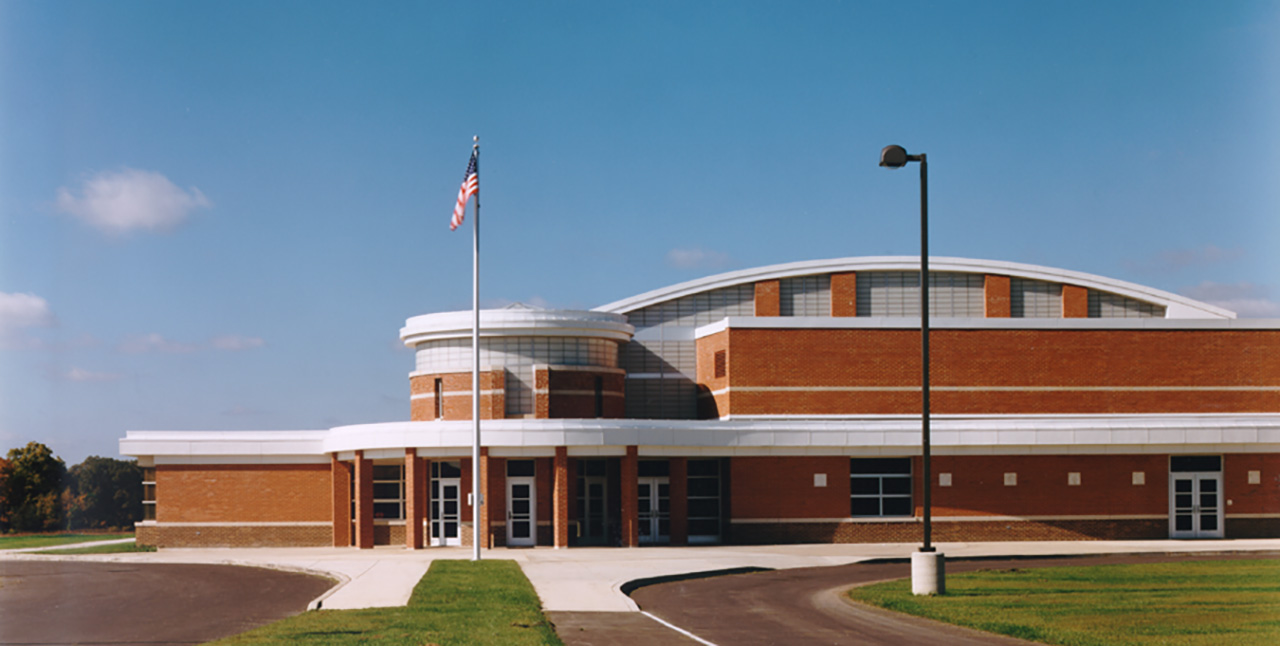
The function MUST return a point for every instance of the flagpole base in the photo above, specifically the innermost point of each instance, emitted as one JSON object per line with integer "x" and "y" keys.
{"x": 928, "y": 573}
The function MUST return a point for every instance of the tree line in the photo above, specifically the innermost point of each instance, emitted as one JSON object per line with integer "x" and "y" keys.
{"x": 38, "y": 493}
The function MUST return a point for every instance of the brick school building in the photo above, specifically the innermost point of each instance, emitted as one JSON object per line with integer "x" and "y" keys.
{"x": 777, "y": 405}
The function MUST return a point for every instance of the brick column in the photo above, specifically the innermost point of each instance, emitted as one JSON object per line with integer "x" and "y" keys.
{"x": 844, "y": 294}
{"x": 768, "y": 298}
{"x": 414, "y": 499}
{"x": 679, "y": 482}
{"x": 1075, "y": 302}
{"x": 630, "y": 495}
{"x": 341, "y": 478}
{"x": 486, "y": 510}
{"x": 560, "y": 498}
{"x": 996, "y": 290}
{"x": 426, "y": 501}
{"x": 364, "y": 501}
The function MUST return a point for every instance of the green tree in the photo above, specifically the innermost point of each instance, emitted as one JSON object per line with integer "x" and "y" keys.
{"x": 31, "y": 489}
{"x": 103, "y": 493}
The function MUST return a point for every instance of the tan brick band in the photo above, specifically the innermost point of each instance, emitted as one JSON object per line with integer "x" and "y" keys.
{"x": 231, "y": 535}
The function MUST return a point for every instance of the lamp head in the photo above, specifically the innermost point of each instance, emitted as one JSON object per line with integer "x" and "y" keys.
{"x": 893, "y": 157}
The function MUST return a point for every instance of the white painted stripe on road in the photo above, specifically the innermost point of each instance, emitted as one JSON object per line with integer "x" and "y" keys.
{"x": 678, "y": 629}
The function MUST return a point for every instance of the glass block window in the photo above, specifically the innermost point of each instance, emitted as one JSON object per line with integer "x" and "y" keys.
{"x": 1107, "y": 305}
{"x": 805, "y": 296}
{"x": 1034, "y": 298}
{"x": 880, "y": 487}
{"x": 148, "y": 493}
{"x": 454, "y": 355}
{"x": 674, "y": 397}
{"x": 698, "y": 309}
{"x": 704, "y": 501}
{"x": 897, "y": 293}
{"x": 388, "y": 491}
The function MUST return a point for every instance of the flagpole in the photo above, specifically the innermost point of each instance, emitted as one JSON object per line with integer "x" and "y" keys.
{"x": 477, "y": 499}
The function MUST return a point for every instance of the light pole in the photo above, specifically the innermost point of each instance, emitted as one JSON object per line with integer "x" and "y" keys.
{"x": 928, "y": 567}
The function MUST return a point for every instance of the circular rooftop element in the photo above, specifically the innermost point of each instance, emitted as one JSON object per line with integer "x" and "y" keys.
{"x": 518, "y": 320}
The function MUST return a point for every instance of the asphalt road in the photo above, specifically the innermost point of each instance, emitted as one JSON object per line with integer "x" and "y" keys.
{"x": 50, "y": 603}
{"x": 805, "y": 606}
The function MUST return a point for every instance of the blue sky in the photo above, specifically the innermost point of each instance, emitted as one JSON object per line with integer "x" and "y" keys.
{"x": 217, "y": 215}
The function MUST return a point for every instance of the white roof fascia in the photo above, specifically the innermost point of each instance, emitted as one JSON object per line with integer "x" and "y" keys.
{"x": 517, "y": 322}
{"x": 913, "y": 323}
{"x": 1175, "y": 306}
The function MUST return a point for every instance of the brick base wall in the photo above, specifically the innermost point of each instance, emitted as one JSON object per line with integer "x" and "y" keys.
{"x": 1253, "y": 527}
{"x": 235, "y": 536}
{"x": 943, "y": 531}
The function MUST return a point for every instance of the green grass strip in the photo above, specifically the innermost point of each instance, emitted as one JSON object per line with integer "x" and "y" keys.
{"x": 456, "y": 603}
{"x": 1199, "y": 603}
{"x": 114, "y": 548}
{"x": 52, "y": 540}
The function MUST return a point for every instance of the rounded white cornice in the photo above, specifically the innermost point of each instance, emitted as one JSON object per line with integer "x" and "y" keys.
{"x": 1176, "y": 307}
{"x": 517, "y": 322}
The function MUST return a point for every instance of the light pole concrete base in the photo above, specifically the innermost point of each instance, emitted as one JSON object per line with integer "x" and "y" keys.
{"x": 928, "y": 573}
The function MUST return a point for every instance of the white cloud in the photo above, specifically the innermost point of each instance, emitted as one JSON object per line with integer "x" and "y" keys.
{"x": 154, "y": 343}
{"x": 120, "y": 201}
{"x": 19, "y": 312}
{"x": 1245, "y": 299}
{"x": 232, "y": 342}
{"x": 696, "y": 258}
{"x": 80, "y": 374}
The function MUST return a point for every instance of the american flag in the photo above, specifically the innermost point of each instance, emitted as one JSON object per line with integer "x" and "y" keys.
{"x": 470, "y": 184}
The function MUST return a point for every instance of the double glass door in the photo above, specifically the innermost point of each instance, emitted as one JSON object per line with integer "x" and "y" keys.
{"x": 1195, "y": 505}
{"x": 654, "y": 510}
{"x": 444, "y": 511}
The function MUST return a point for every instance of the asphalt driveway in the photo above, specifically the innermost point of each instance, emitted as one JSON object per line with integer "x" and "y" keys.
{"x": 90, "y": 603}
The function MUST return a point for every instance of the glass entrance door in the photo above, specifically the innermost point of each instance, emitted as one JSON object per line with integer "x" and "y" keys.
{"x": 521, "y": 518}
{"x": 593, "y": 512}
{"x": 444, "y": 511}
{"x": 1195, "y": 505}
{"x": 654, "y": 510}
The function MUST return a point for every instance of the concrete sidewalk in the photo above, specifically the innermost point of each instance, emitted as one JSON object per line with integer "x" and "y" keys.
{"x": 591, "y": 579}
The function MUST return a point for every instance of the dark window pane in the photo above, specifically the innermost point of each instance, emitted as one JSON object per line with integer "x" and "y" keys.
{"x": 448, "y": 469}
{"x": 1182, "y": 500}
{"x": 1208, "y": 486}
{"x": 1209, "y": 522}
{"x": 1182, "y": 463}
{"x": 435, "y": 489}
{"x": 654, "y": 468}
{"x": 664, "y": 489}
{"x": 644, "y": 505}
{"x": 866, "y": 506}
{"x": 520, "y": 467}
{"x": 704, "y": 467}
{"x": 704, "y": 507}
{"x": 704, "y": 487}
{"x": 386, "y": 490}
{"x": 1209, "y": 500}
{"x": 520, "y": 507}
{"x": 704, "y": 527}
{"x": 386, "y": 510}
{"x": 664, "y": 505}
{"x": 451, "y": 508}
{"x": 1182, "y": 522}
{"x": 1182, "y": 486}
{"x": 451, "y": 492}
{"x": 896, "y": 485}
{"x": 519, "y": 491}
{"x": 864, "y": 486}
{"x": 435, "y": 530}
{"x": 664, "y": 527}
{"x": 450, "y": 530}
{"x": 880, "y": 465}
{"x": 386, "y": 472}
{"x": 596, "y": 490}
{"x": 897, "y": 507}
{"x": 520, "y": 529}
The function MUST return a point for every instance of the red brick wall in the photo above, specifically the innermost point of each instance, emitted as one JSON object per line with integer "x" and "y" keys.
{"x": 244, "y": 493}
{"x": 457, "y": 398}
{"x": 709, "y": 406}
{"x": 1106, "y": 485}
{"x": 880, "y": 358}
{"x": 782, "y": 487}
{"x": 1246, "y": 498}
{"x": 1075, "y": 302}
{"x": 572, "y": 394}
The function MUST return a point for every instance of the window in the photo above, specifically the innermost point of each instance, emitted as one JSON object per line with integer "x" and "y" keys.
{"x": 880, "y": 487}
{"x": 148, "y": 493}
{"x": 388, "y": 491}
{"x": 516, "y": 468}
{"x": 599, "y": 396}
{"x": 439, "y": 398}
{"x": 704, "y": 501}
{"x": 722, "y": 364}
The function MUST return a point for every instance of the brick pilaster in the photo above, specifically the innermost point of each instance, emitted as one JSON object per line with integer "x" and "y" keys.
{"x": 679, "y": 483}
{"x": 484, "y": 499}
{"x": 341, "y": 478}
{"x": 560, "y": 502}
{"x": 364, "y": 501}
{"x": 630, "y": 495}
{"x": 414, "y": 502}
{"x": 768, "y": 298}
{"x": 1075, "y": 302}
{"x": 996, "y": 290}
{"x": 844, "y": 294}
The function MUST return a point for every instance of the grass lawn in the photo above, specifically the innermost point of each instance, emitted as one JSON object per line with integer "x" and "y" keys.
{"x": 1176, "y": 604}
{"x": 114, "y": 548}
{"x": 457, "y": 602}
{"x": 53, "y": 540}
